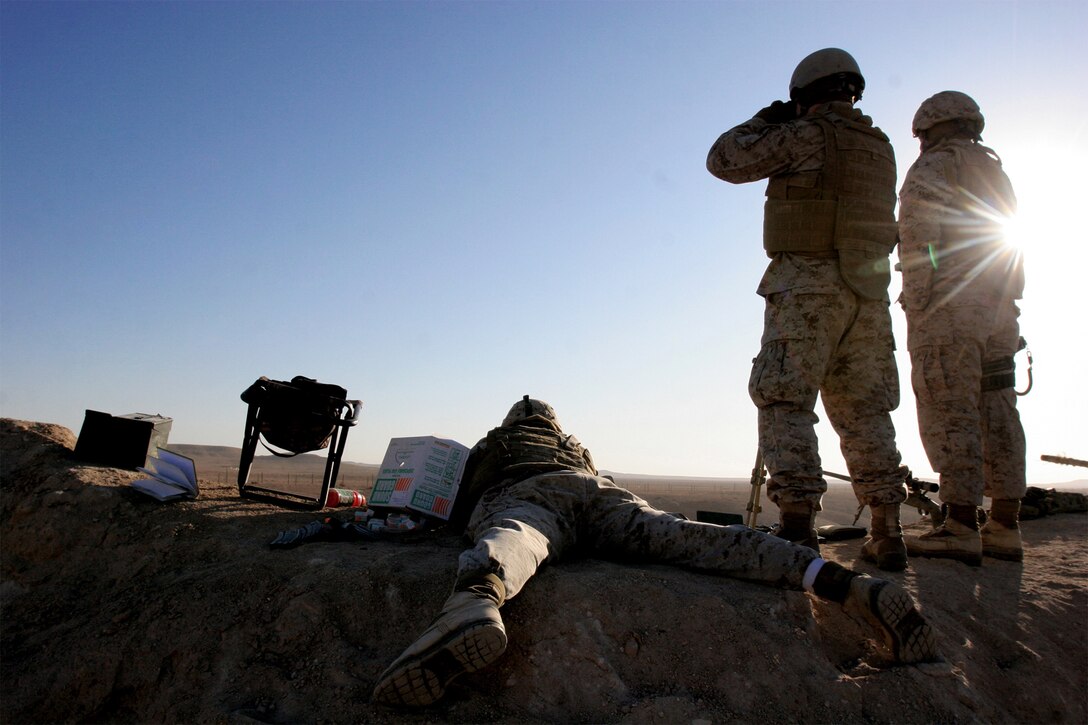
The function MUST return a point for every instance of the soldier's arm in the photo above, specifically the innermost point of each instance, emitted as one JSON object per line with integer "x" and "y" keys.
{"x": 757, "y": 150}
{"x": 923, "y": 201}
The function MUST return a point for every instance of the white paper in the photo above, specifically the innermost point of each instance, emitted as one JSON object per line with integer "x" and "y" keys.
{"x": 173, "y": 476}
{"x": 161, "y": 490}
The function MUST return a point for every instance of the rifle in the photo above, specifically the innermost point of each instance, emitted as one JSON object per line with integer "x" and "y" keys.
{"x": 1065, "y": 461}
{"x": 759, "y": 477}
{"x": 916, "y": 497}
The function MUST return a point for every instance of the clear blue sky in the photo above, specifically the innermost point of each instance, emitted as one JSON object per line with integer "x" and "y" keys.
{"x": 443, "y": 206}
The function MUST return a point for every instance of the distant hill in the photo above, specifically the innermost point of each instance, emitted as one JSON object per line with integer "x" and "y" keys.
{"x": 213, "y": 460}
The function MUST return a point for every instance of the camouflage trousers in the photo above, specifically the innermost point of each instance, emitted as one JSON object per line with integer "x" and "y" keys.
{"x": 838, "y": 346}
{"x": 522, "y": 526}
{"x": 973, "y": 439}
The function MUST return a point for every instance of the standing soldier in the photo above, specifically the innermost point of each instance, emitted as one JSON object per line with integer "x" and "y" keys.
{"x": 829, "y": 227}
{"x": 961, "y": 281}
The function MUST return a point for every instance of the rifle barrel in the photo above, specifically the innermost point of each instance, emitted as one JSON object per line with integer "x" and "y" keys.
{"x": 1065, "y": 461}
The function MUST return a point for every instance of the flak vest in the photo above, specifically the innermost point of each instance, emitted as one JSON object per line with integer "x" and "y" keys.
{"x": 845, "y": 209}
{"x": 514, "y": 453}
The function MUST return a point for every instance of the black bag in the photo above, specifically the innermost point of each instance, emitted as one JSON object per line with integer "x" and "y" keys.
{"x": 297, "y": 416}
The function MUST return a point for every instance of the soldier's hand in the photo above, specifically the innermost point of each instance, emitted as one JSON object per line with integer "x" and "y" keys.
{"x": 778, "y": 112}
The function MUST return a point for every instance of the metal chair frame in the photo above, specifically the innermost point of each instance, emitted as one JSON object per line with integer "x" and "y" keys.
{"x": 347, "y": 416}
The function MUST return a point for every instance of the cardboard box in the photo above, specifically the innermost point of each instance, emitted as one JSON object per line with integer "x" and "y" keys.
{"x": 420, "y": 474}
{"x": 121, "y": 441}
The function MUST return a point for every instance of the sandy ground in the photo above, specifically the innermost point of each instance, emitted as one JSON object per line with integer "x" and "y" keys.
{"x": 116, "y": 608}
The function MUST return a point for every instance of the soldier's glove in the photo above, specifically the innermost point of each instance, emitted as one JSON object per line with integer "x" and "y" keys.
{"x": 778, "y": 112}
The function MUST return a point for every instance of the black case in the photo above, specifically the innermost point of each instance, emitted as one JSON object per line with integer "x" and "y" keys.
{"x": 121, "y": 441}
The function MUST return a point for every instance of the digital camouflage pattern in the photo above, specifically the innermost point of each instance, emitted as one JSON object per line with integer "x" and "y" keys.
{"x": 973, "y": 439}
{"x": 520, "y": 527}
{"x": 837, "y": 345}
{"x": 529, "y": 408}
{"x": 846, "y": 209}
{"x": 947, "y": 106}
{"x": 960, "y": 283}
{"x": 820, "y": 337}
{"x": 952, "y": 248}
{"x": 524, "y": 520}
{"x": 512, "y": 452}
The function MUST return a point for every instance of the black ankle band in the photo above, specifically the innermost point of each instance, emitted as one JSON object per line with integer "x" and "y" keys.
{"x": 488, "y": 585}
{"x": 833, "y": 582}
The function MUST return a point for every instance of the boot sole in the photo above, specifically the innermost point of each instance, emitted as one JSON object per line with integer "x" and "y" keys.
{"x": 906, "y": 633}
{"x": 421, "y": 678}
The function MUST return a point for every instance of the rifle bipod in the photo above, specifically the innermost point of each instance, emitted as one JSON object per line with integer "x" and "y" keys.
{"x": 759, "y": 477}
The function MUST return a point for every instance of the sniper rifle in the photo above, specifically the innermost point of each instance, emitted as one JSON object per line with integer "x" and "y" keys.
{"x": 916, "y": 497}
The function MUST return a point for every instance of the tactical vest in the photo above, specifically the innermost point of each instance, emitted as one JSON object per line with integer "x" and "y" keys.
{"x": 845, "y": 209}
{"x": 972, "y": 246}
{"x": 517, "y": 452}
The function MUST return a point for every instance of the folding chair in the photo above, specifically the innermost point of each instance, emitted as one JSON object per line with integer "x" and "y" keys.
{"x": 299, "y": 416}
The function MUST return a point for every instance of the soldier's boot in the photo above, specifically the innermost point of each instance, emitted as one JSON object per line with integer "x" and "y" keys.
{"x": 957, "y": 538}
{"x": 1001, "y": 532}
{"x": 466, "y": 636}
{"x": 885, "y": 546}
{"x": 885, "y": 606}
{"x": 797, "y": 523}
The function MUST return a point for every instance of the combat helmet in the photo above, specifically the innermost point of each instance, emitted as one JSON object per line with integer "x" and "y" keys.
{"x": 829, "y": 63}
{"x": 528, "y": 408}
{"x": 947, "y": 106}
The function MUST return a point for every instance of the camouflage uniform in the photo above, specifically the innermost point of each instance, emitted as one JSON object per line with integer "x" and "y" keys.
{"x": 528, "y": 516}
{"x": 824, "y": 334}
{"x": 959, "y": 289}
{"x": 536, "y": 497}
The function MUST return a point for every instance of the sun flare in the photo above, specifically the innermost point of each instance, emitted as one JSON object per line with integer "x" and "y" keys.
{"x": 1047, "y": 228}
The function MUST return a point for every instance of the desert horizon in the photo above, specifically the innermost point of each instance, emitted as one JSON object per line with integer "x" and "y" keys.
{"x": 219, "y": 457}
{"x": 686, "y": 495}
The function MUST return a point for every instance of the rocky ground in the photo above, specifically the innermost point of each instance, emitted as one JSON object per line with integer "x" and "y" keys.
{"x": 116, "y": 608}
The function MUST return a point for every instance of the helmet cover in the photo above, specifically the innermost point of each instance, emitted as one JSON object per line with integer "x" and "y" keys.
{"x": 528, "y": 408}
{"x": 947, "y": 106}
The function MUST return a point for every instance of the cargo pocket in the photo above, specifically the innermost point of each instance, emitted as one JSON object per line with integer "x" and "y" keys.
{"x": 778, "y": 377}
{"x": 928, "y": 375}
{"x": 891, "y": 388}
{"x": 786, "y": 368}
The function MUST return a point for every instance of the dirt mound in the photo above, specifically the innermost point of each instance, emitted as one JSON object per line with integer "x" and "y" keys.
{"x": 116, "y": 608}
